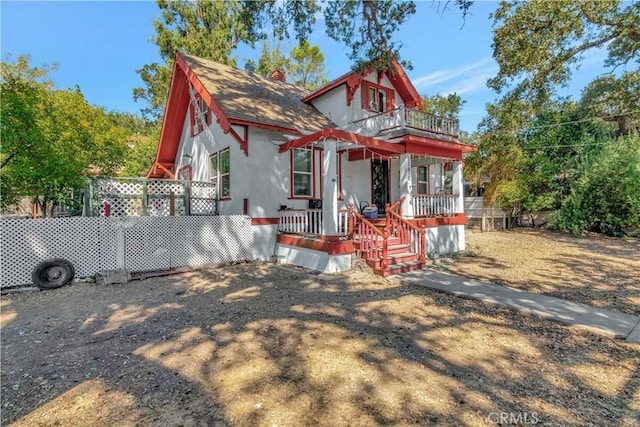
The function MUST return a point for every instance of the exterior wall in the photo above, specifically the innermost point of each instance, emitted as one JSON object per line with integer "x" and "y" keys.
{"x": 264, "y": 241}
{"x": 445, "y": 239}
{"x": 312, "y": 259}
{"x": 333, "y": 104}
{"x": 356, "y": 181}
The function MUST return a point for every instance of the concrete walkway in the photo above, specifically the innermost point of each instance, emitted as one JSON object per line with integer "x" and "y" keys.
{"x": 618, "y": 325}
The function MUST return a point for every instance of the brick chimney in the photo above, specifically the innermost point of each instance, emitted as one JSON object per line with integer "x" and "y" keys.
{"x": 278, "y": 75}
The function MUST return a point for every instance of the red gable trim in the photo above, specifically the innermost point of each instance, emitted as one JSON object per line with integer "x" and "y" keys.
{"x": 174, "y": 113}
{"x": 405, "y": 88}
{"x": 397, "y": 77}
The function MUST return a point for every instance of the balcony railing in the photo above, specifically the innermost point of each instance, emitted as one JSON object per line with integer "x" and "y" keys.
{"x": 434, "y": 204}
{"x": 403, "y": 118}
{"x": 309, "y": 221}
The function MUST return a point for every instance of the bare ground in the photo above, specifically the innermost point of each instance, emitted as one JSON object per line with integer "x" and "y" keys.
{"x": 259, "y": 344}
{"x": 595, "y": 270}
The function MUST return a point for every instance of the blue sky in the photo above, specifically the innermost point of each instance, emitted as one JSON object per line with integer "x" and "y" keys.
{"x": 98, "y": 46}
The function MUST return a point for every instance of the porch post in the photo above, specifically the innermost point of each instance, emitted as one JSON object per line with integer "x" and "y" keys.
{"x": 458, "y": 186}
{"x": 405, "y": 185}
{"x": 330, "y": 190}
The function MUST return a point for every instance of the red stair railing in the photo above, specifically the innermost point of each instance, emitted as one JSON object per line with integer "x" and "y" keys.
{"x": 414, "y": 237}
{"x": 370, "y": 238}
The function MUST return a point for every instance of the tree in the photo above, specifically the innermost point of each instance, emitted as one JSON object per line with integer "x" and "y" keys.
{"x": 66, "y": 140}
{"x": 212, "y": 30}
{"x": 271, "y": 59}
{"x": 307, "y": 66}
{"x": 605, "y": 198}
{"x": 209, "y": 29}
{"x": 304, "y": 66}
{"x": 443, "y": 106}
{"x": 142, "y": 153}
{"x": 536, "y": 43}
{"x": 614, "y": 99}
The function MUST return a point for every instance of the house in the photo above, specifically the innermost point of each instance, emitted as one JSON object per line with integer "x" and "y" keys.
{"x": 302, "y": 164}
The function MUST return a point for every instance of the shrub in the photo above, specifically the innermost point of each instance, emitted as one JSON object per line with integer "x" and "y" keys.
{"x": 605, "y": 198}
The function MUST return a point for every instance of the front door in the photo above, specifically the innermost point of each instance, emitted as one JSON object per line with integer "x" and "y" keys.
{"x": 380, "y": 184}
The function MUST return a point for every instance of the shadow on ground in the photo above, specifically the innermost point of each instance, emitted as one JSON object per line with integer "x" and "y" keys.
{"x": 260, "y": 345}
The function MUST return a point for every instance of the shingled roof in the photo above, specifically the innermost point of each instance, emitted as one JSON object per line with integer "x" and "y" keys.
{"x": 257, "y": 99}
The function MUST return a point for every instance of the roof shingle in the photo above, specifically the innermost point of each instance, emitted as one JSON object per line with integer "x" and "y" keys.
{"x": 257, "y": 99}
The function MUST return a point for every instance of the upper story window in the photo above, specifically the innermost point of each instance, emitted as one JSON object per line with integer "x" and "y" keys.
{"x": 376, "y": 98}
{"x": 302, "y": 172}
{"x": 220, "y": 174}
{"x": 200, "y": 116}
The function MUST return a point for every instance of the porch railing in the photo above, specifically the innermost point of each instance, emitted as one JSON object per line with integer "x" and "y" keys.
{"x": 434, "y": 204}
{"x": 309, "y": 221}
{"x": 402, "y": 118}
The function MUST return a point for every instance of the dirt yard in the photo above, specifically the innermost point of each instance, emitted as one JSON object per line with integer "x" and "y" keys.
{"x": 263, "y": 345}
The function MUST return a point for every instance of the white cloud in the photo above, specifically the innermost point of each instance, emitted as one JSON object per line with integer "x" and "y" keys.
{"x": 483, "y": 66}
{"x": 470, "y": 85}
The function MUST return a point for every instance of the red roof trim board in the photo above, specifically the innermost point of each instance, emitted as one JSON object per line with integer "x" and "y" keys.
{"x": 340, "y": 135}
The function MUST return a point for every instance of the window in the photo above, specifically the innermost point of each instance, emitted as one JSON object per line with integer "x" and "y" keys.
{"x": 423, "y": 180}
{"x": 377, "y": 98}
{"x": 302, "y": 171}
{"x": 200, "y": 116}
{"x": 220, "y": 174}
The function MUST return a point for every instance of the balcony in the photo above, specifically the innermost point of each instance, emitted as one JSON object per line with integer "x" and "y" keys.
{"x": 403, "y": 118}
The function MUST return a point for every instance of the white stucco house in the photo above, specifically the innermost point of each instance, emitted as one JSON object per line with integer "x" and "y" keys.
{"x": 302, "y": 165}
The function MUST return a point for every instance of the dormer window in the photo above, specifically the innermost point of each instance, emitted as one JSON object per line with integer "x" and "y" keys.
{"x": 376, "y": 98}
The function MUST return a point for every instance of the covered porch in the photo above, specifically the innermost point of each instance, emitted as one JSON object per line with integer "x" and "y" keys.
{"x": 414, "y": 185}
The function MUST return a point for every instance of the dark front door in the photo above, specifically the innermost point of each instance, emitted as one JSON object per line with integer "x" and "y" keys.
{"x": 380, "y": 184}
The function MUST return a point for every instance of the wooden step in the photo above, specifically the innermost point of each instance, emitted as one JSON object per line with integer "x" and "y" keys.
{"x": 397, "y": 258}
{"x": 403, "y": 267}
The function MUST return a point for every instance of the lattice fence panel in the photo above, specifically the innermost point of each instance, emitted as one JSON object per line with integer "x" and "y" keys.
{"x": 25, "y": 243}
{"x": 115, "y": 187}
{"x": 203, "y": 207}
{"x": 147, "y": 242}
{"x": 165, "y": 187}
{"x": 161, "y": 206}
{"x": 211, "y": 239}
{"x": 135, "y": 243}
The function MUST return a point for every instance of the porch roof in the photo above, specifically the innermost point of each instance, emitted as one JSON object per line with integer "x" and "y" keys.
{"x": 408, "y": 144}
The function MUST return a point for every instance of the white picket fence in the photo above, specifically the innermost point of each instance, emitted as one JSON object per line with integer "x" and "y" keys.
{"x": 135, "y": 243}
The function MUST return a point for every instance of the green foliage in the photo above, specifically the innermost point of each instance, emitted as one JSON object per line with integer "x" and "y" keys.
{"x": 51, "y": 138}
{"x": 536, "y": 43}
{"x": 307, "y": 66}
{"x": 209, "y": 29}
{"x": 367, "y": 28}
{"x": 304, "y": 66}
{"x": 444, "y": 106}
{"x": 272, "y": 58}
{"x": 616, "y": 100}
{"x": 213, "y": 29}
{"x": 142, "y": 153}
{"x": 605, "y": 198}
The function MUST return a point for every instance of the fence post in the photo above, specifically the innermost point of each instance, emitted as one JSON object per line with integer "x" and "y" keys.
{"x": 172, "y": 203}
{"x": 187, "y": 197}
{"x": 145, "y": 198}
